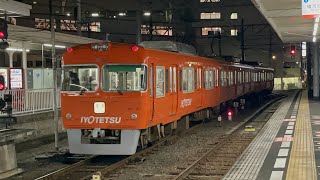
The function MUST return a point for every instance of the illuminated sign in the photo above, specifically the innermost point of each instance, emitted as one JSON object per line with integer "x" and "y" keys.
{"x": 16, "y": 78}
{"x": 310, "y": 8}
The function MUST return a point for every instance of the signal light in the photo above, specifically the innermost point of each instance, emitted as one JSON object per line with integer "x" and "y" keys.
{"x": 2, "y": 86}
{"x": 229, "y": 113}
{"x": 293, "y": 50}
{"x": 3, "y": 29}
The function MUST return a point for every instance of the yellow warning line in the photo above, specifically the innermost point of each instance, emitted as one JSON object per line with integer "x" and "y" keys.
{"x": 302, "y": 164}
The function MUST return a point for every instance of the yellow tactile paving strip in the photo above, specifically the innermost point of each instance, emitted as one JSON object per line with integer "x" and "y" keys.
{"x": 302, "y": 164}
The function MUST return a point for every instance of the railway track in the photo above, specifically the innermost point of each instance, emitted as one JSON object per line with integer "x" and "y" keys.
{"x": 216, "y": 161}
{"x": 96, "y": 164}
{"x": 104, "y": 165}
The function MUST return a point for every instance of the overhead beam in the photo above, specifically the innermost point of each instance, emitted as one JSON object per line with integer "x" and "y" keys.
{"x": 283, "y": 13}
{"x": 14, "y": 8}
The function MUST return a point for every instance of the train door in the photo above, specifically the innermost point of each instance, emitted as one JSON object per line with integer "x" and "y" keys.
{"x": 173, "y": 88}
{"x": 152, "y": 88}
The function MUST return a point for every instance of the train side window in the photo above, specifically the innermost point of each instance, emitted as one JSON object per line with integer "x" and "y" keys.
{"x": 215, "y": 77}
{"x": 223, "y": 78}
{"x": 160, "y": 81}
{"x": 151, "y": 82}
{"x": 171, "y": 80}
{"x": 231, "y": 78}
{"x": 200, "y": 78}
{"x": 180, "y": 79}
{"x": 195, "y": 78}
{"x": 174, "y": 79}
{"x": 209, "y": 77}
{"x": 167, "y": 81}
{"x": 188, "y": 79}
{"x": 239, "y": 77}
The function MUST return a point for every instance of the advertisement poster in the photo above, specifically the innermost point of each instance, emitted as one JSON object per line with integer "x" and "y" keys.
{"x": 4, "y": 73}
{"x": 16, "y": 78}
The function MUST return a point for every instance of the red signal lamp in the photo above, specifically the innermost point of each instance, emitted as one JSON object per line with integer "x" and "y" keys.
{"x": 229, "y": 113}
{"x": 1, "y": 35}
{"x": 1, "y": 86}
{"x": 293, "y": 50}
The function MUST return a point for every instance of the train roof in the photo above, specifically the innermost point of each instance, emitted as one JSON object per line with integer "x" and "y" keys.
{"x": 170, "y": 46}
{"x": 176, "y": 47}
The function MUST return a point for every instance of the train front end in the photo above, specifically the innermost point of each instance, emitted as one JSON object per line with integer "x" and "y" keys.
{"x": 103, "y": 100}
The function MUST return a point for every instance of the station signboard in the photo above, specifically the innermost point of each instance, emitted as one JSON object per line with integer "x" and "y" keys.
{"x": 16, "y": 78}
{"x": 310, "y": 8}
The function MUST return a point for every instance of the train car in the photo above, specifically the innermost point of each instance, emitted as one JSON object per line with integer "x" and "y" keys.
{"x": 117, "y": 97}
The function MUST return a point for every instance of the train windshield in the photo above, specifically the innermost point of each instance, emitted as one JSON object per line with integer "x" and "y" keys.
{"x": 124, "y": 78}
{"x": 80, "y": 78}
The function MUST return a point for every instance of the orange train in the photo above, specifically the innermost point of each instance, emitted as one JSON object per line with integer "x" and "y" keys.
{"x": 117, "y": 97}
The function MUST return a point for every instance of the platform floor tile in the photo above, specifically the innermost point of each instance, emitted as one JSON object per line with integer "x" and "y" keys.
{"x": 302, "y": 164}
{"x": 251, "y": 160}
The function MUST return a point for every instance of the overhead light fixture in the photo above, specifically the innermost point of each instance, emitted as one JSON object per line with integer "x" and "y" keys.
{"x": 147, "y": 14}
{"x": 122, "y": 14}
{"x": 273, "y": 57}
{"x": 68, "y": 14}
{"x": 95, "y": 14}
{"x": 57, "y": 46}
{"x": 17, "y": 49}
{"x": 34, "y": 2}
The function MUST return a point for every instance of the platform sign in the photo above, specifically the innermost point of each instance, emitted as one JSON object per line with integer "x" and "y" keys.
{"x": 310, "y": 8}
{"x": 16, "y": 78}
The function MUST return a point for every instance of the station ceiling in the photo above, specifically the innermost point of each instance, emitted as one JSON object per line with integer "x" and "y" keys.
{"x": 14, "y": 9}
{"x": 285, "y": 17}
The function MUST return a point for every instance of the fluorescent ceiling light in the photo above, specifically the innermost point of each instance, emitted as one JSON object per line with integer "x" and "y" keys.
{"x": 95, "y": 14}
{"x": 17, "y": 49}
{"x": 57, "y": 46}
{"x": 122, "y": 14}
{"x": 147, "y": 14}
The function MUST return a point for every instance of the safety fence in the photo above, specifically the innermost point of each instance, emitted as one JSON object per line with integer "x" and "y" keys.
{"x": 32, "y": 100}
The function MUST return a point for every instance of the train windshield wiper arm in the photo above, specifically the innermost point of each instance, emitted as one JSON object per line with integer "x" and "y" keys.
{"x": 119, "y": 91}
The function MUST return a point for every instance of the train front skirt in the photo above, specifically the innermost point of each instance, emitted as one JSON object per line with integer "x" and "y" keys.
{"x": 128, "y": 144}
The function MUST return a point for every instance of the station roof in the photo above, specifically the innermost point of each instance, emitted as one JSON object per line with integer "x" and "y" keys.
{"x": 285, "y": 17}
{"x": 14, "y": 9}
{"x": 36, "y": 37}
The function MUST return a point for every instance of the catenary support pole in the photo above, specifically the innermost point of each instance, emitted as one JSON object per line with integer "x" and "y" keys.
{"x": 316, "y": 71}
{"x": 54, "y": 69}
{"x": 79, "y": 17}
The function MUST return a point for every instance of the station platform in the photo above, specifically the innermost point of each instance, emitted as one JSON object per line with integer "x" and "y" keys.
{"x": 287, "y": 147}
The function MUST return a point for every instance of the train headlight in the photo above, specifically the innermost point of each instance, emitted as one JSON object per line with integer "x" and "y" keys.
{"x": 68, "y": 116}
{"x": 134, "y": 116}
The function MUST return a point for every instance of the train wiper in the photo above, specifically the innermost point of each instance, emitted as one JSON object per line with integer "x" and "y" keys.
{"x": 119, "y": 91}
{"x": 85, "y": 87}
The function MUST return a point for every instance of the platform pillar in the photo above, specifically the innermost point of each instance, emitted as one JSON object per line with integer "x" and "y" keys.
{"x": 316, "y": 71}
{"x": 10, "y": 53}
{"x": 8, "y": 167}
